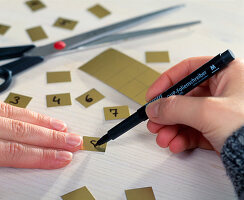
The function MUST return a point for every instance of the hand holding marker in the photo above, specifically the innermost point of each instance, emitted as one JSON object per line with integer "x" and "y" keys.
{"x": 182, "y": 87}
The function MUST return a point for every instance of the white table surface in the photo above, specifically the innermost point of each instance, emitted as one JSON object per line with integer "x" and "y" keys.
{"x": 134, "y": 160}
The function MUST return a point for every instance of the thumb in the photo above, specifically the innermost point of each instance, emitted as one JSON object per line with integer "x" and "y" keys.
{"x": 185, "y": 110}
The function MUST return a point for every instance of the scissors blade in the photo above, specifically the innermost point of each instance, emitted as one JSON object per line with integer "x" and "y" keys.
{"x": 78, "y": 40}
{"x": 136, "y": 34}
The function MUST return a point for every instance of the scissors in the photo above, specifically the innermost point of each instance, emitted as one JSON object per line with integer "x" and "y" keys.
{"x": 30, "y": 55}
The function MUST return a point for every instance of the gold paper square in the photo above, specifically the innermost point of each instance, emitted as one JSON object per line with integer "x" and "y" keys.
{"x": 147, "y": 77}
{"x": 140, "y": 194}
{"x": 89, "y": 98}
{"x": 132, "y": 88}
{"x": 79, "y": 194}
{"x": 116, "y": 112}
{"x": 157, "y": 56}
{"x": 18, "y": 100}
{"x": 141, "y": 97}
{"x": 123, "y": 73}
{"x": 35, "y": 5}
{"x": 3, "y": 29}
{"x": 88, "y": 144}
{"x": 99, "y": 11}
{"x": 57, "y": 77}
{"x": 65, "y": 23}
{"x": 36, "y": 33}
{"x": 119, "y": 81}
{"x": 58, "y": 100}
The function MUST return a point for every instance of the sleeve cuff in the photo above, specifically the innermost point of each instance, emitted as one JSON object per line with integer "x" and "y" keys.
{"x": 232, "y": 155}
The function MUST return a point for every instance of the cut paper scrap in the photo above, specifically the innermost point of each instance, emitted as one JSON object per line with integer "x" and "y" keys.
{"x": 123, "y": 73}
{"x": 157, "y": 56}
{"x": 3, "y": 29}
{"x": 36, "y": 33}
{"x": 89, "y": 142}
{"x": 18, "y": 100}
{"x": 89, "y": 98}
{"x": 35, "y": 5}
{"x": 79, "y": 194}
{"x": 65, "y": 23}
{"x": 140, "y": 194}
{"x": 57, "y": 77}
{"x": 99, "y": 11}
{"x": 54, "y": 100}
{"x": 117, "y": 112}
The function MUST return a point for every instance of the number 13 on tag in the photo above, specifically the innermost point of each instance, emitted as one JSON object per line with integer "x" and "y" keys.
{"x": 117, "y": 112}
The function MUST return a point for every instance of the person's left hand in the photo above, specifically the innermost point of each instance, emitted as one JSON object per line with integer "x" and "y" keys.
{"x": 33, "y": 140}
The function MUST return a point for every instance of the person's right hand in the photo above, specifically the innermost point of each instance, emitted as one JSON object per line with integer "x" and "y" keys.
{"x": 203, "y": 118}
{"x": 32, "y": 140}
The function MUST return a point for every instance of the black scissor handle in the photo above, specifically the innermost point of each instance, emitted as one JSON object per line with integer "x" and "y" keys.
{"x": 6, "y": 75}
{"x": 22, "y": 64}
{"x": 10, "y": 69}
{"x": 14, "y": 52}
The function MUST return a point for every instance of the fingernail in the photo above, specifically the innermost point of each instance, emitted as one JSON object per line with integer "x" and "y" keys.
{"x": 73, "y": 140}
{"x": 153, "y": 109}
{"x": 64, "y": 156}
{"x": 58, "y": 125}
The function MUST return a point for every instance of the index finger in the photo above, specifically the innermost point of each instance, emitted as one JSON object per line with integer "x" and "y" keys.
{"x": 174, "y": 75}
{"x": 24, "y": 115}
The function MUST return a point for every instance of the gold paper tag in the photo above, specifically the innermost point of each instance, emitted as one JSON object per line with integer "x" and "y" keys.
{"x": 157, "y": 56}
{"x": 18, "y": 100}
{"x": 89, "y": 98}
{"x": 3, "y": 29}
{"x": 35, "y": 5}
{"x": 99, "y": 11}
{"x": 58, "y": 100}
{"x": 36, "y": 33}
{"x": 123, "y": 73}
{"x": 117, "y": 112}
{"x": 89, "y": 142}
{"x": 79, "y": 194}
{"x": 140, "y": 194}
{"x": 65, "y": 23}
{"x": 56, "y": 77}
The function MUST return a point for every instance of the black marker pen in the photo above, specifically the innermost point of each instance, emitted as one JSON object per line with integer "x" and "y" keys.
{"x": 182, "y": 87}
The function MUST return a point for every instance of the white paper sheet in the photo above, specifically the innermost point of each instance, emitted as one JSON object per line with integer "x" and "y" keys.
{"x": 134, "y": 160}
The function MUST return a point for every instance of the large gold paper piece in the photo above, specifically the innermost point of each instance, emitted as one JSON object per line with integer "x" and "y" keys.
{"x": 35, "y": 5}
{"x": 89, "y": 98}
{"x": 123, "y": 73}
{"x": 140, "y": 194}
{"x": 117, "y": 112}
{"x": 36, "y": 33}
{"x": 79, "y": 194}
{"x": 18, "y": 100}
{"x": 58, "y": 100}
{"x": 157, "y": 56}
{"x": 65, "y": 23}
{"x": 99, "y": 11}
{"x": 3, "y": 29}
{"x": 56, "y": 77}
{"x": 89, "y": 142}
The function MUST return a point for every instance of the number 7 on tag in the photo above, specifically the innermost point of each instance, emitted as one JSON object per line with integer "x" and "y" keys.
{"x": 117, "y": 112}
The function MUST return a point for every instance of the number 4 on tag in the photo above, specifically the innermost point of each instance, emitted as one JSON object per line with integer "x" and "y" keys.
{"x": 55, "y": 99}
{"x": 58, "y": 100}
